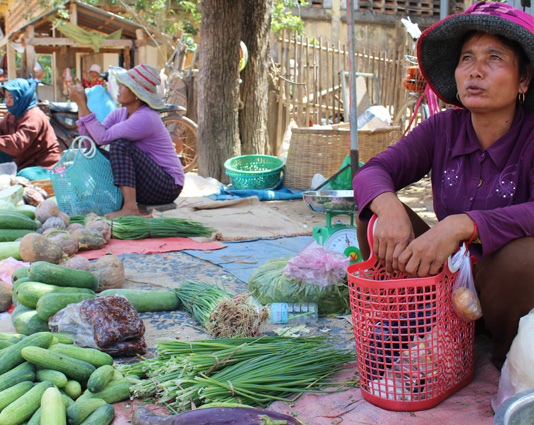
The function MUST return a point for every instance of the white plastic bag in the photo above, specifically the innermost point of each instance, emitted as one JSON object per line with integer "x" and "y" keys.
{"x": 465, "y": 300}
{"x": 517, "y": 373}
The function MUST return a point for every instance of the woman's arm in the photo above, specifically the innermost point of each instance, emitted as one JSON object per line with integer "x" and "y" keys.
{"x": 27, "y": 131}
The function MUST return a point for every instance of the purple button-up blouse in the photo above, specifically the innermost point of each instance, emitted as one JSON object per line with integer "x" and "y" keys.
{"x": 495, "y": 187}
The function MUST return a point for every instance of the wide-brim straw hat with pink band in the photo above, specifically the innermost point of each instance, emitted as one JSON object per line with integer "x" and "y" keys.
{"x": 143, "y": 81}
{"x": 438, "y": 47}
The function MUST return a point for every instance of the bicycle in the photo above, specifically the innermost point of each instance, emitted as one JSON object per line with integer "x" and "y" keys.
{"x": 183, "y": 130}
{"x": 421, "y": 103}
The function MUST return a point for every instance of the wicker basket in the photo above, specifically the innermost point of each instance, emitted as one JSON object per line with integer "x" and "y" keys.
{"x": 44, "y": 184}
{"x": 372, "y": 142}
{"x": 322, "y": 151}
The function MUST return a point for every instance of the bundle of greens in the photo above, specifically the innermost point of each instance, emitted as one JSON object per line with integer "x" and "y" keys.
{"x": 137, "y": 227}
{"x": 222, "y": 314}
{"x": 255, "y": 371}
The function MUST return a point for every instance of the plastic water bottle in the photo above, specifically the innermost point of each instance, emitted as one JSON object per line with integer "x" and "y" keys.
{"x": 293, "y": 312}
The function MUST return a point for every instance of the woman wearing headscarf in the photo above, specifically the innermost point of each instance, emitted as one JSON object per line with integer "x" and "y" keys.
{"x": 481, "y": 155}
{"x": 26, "y": 136}
{"x": 145, "y": 164}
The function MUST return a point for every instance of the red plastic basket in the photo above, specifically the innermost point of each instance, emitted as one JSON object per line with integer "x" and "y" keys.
{"x": 413, "y": 350}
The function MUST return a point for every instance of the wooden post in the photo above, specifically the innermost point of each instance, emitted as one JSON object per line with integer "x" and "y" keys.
{"x": 126, "y": 57}
{"x": 29, "y": 53}
{"x": 61, "y": 64}
{"x": 141, "y": 46}
{"x": 11, "y": 61}
{"x": 73, "y": 13}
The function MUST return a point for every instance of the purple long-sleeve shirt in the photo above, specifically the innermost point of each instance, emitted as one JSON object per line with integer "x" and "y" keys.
{"x": 144, "y": 128}
{"x": 495, "y": 187}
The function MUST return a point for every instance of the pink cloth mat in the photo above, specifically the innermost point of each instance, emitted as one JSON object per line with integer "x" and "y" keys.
{"x": 149, "y": 246}
{"x": 469, "y": 406}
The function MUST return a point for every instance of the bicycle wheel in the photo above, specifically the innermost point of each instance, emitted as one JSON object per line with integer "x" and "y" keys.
{"x": 184, "y": 138}
{"x": 406, "y": 112}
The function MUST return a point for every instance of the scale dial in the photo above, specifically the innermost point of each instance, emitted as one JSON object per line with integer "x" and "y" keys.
{"x": 341, "y": 239}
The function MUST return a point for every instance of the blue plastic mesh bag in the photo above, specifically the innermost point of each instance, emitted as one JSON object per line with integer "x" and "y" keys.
{"x": 83, "y": 181}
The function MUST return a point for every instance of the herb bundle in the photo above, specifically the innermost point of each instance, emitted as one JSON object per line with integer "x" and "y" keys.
{"x": 253, "y": 371}
{"x": 222, "y": 314}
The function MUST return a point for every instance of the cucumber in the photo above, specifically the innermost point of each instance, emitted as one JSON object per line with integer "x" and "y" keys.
{"x": 10, "y": 249}
{"x": 63, "y": 337}
{"x": 113, "y": 393}
{"x": 26, "y": 320}
{"x": 19, "y": 272}
{"x": 80, "y": 410}
{"x": 100, "y": 378}
{"x": 11, "y": 337}
{"x": 73, "y": 389}
{"x": 10, "y": 235}
{"x": 145, "y": 300}
{"x": 16, "y": 378}
{"x": 5, "y": 344}
{"x": 20, "y": 280}
{"x": 55, "y": 376}
{"x": 50, "y": 304}
{"x": 29, "y": 292}
{"x": 26, "y": 209}
{"x": 9, "y": 395}
{"x": 66, "y": 399}
{"x": 41, "y": 271}
{"x": 13, "y": 355}
{"x": 25, "y": 406}
{"x": 36, "y": 418}
{"x": 102, "y": 416}
{"x": 15, "y": 220}
{"x": 73, "y": 368}
{"x": 22, "y": 366}
{"x": 90, "y": 355}
{"x": 53, "y": 410}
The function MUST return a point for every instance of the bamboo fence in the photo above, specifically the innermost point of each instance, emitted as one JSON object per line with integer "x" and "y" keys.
{"x": 313, "y": 80}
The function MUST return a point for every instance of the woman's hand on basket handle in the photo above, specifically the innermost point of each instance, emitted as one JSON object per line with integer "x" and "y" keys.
{"x": 393, "y": 230}
{"x": 425, "y": 255}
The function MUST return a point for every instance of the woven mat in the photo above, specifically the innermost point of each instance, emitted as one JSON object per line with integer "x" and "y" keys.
{"x": 237, "y": 219}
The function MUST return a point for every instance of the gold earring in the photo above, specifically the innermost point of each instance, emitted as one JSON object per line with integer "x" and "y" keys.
{"x": 458, "y": 97}
{"x": 521, "y": 98}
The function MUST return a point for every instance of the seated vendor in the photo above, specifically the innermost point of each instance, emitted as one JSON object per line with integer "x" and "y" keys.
{"x": 482, "y": 159}
{"x": 26, "y": 136}
{"x": 145, "y": 164}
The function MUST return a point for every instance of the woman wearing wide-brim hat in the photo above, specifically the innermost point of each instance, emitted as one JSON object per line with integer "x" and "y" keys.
{"x": 143, "y": 159}
{"x": 482, "y": 159}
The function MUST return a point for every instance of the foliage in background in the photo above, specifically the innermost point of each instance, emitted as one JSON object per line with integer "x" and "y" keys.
{"x": 175, "y": 16}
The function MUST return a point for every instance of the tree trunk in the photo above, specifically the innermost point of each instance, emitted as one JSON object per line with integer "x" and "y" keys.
{"x": 218, "y": 86}
{"x": 254, "y": 88}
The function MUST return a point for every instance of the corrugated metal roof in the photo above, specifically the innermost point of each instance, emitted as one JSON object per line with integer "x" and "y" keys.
{"x": 89, "y": 18}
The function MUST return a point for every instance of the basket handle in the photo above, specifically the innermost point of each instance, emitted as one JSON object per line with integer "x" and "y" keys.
{"x": 76, "y": 144}
{"x": 370, "y": 231}
{"x": 447, "y": 265}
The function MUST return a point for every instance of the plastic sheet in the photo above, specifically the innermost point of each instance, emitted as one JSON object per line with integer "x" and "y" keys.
{"x": 110, "y": 324}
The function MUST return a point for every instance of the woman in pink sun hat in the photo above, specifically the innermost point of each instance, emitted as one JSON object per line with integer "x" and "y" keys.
{"x": 481, "y": 155}
{"x": 143, "y": 159}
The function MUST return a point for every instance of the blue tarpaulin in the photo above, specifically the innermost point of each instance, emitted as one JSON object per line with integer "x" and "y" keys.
{"x": 283, "y": 193}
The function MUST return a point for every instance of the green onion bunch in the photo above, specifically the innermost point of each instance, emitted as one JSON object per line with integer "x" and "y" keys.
{"x": 200, "y": 299}
{"x": 137, "y": 227}
{"x": 254, "y": 371}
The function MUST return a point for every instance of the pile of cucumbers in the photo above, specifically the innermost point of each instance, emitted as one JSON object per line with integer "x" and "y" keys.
{"x": 46, "y": 380}
{"x": 42, "y": 289}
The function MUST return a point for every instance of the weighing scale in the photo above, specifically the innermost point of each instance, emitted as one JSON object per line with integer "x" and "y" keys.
{"x": 335, "y": 236}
